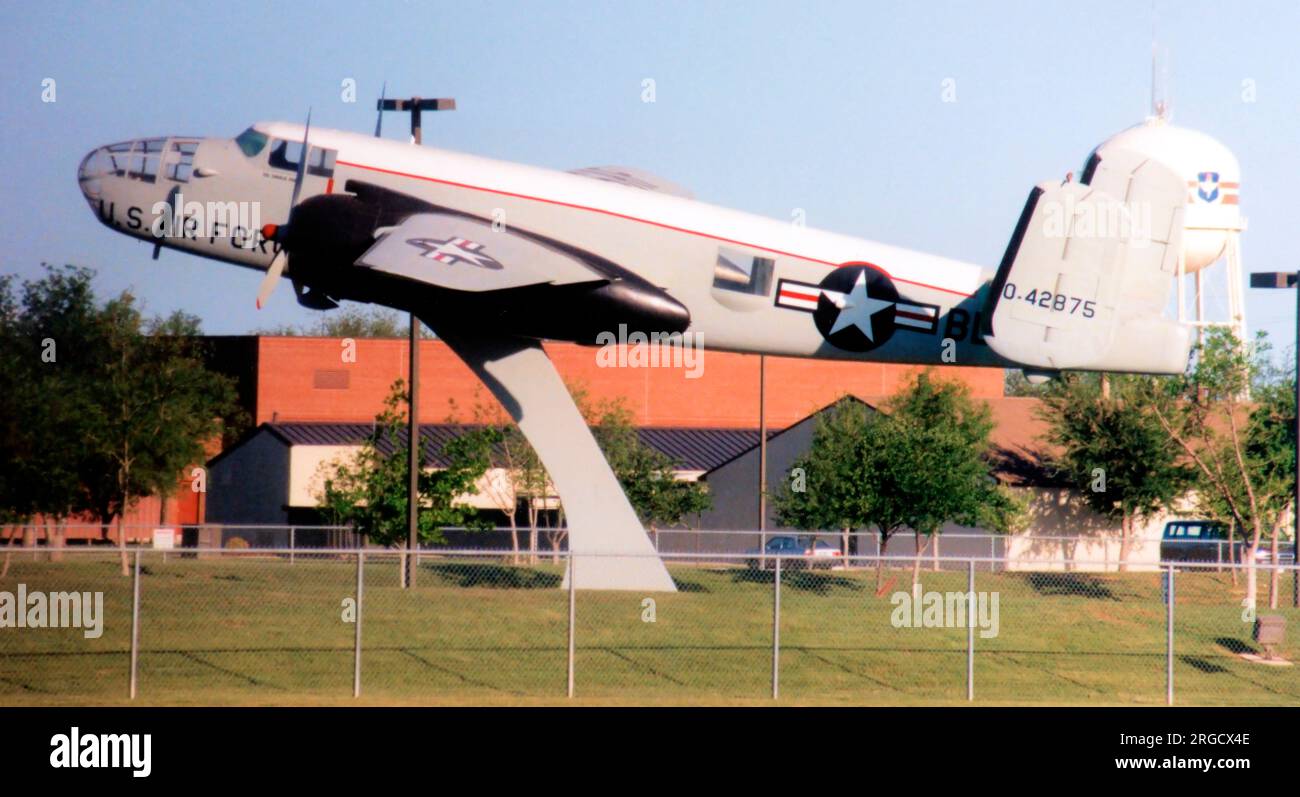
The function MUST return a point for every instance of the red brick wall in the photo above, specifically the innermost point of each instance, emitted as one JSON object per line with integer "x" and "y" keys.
{"x": 293, "y": 374}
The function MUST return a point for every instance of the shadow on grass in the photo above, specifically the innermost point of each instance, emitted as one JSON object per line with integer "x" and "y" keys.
{"x": 1077, "y": 585}
{"x": 818, "y": 582}
{"x": 1203, "y": 665}
{"x": 689, "y": 586}
{"x": 1234, "y": 645}
{"x": 472, "y": 574}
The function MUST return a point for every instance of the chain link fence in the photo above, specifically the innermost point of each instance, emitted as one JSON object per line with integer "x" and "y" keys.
{"x": 252, "y": 626}
{"x": 950, "y": 550}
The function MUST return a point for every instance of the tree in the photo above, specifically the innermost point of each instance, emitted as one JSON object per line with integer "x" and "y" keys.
{"x": 45, "y": 393}
{"x": 1114, "y": 451}
{"x": 1270, "y": 448}
{"x": 658, "y": 496}
{"x": 351, "y": 321}
{"x": 1015, "y": 383}
{"x": 648, "y": 476}
{"x": 17, "y": 449}
{"x": 1241, "y": 454}
{"x": 920, "y": 464}
{"x": 825, "y": 488}
{"x": 522, "y": 474}
{"x": 102, "y": 405}
{"x": 941, "y": 439}
{"x": 156, "y": 407}
{"x": 369, "y": 489}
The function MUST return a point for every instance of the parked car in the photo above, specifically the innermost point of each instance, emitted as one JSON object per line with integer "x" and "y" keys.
{"x": 1207, "y": 541}
{"x": 795, "y": 553}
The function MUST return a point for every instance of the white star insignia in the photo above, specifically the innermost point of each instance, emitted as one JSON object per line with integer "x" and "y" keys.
{"x": 856, "y": 307}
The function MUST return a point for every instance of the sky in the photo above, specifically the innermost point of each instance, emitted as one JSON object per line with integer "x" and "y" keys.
{"x": 835, "y": 109}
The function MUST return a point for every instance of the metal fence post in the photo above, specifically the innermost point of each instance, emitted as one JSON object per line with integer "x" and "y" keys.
{"x": 970, "y": 631}
{"x": 1169, "y": 637}
{"x": 291, "y": 545}
{"x": 356, "y": 645}
{"x": 776, "y": 631}
{"x": 135, "y": 623}
{"x": 572, "y": 616}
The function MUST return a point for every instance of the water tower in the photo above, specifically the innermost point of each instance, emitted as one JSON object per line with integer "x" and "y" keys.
{"x": 1212, "y": 219}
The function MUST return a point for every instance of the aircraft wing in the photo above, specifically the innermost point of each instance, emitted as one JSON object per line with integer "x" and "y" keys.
{"x": 460, "y": 253}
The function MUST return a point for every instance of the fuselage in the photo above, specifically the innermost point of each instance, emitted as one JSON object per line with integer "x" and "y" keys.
{"x": 749, "y": 282}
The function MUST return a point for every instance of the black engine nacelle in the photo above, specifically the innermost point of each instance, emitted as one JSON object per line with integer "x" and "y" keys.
{"x": 328, "y": 233}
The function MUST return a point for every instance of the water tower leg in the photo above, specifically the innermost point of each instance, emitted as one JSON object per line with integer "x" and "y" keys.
{"x": 1236, "y": 300}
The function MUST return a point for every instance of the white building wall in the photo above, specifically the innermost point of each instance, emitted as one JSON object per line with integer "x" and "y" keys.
{"x": 1064, "y": 534}
{"x": 308, "y": 466}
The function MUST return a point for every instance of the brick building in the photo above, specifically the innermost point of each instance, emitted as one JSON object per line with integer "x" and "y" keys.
{"x": 296, "y": 379}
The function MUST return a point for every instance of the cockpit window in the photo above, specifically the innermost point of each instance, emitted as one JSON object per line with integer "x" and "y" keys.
{"x": 251, "y": 142}
{"x": 181, "y": 167}
{"x": 286, "y": 154}
{"x": 145, "y": 159}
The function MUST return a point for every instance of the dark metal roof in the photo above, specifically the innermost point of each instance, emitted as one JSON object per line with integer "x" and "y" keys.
{"x": 698, "y": 449}
{"x": 689, "y": 448}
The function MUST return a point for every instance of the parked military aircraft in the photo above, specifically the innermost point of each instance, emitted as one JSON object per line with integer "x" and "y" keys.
{"x": 496, "y": 257}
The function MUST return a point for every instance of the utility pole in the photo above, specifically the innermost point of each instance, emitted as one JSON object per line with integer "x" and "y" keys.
{"x": 1287, "y": 279}
{"x": 413, "y": 106}
{"x": 762, "y": 450}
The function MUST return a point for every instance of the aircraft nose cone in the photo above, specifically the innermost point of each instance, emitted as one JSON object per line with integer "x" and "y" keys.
{"x": 94, "y": 167}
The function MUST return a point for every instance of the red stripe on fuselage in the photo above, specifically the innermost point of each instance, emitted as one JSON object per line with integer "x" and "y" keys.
{"x": 629, "y": 218}
{"x": 917, "y": 316}
{"x": 788, "y": 294}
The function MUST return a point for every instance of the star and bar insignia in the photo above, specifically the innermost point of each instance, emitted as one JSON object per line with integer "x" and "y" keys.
{"x": 455, "y": 250}
{"x": 856, "y": 308}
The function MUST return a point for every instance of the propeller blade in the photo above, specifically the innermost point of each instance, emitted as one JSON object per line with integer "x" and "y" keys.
{"x": 379, "y": 118}
{"x": 271, "y": 279}
{"x": 281, "y": 258}
{"x": 302, "y": 164}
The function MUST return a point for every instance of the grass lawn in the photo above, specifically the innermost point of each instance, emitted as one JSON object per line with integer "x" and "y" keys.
{"x": 254, "y": 630}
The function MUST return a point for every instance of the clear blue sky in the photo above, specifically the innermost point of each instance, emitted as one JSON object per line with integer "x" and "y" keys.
{"x": 762, "y": 106}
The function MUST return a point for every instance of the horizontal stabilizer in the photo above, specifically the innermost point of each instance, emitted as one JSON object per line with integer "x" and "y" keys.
{"x": 1086, "y": 277}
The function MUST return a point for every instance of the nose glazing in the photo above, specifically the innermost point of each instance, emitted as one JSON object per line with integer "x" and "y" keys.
{"x": 138, "y": 159}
